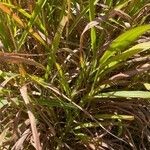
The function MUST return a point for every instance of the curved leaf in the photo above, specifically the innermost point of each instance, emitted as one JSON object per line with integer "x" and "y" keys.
{"x": 127, "y": 54}
{"x": 123, "y": 41}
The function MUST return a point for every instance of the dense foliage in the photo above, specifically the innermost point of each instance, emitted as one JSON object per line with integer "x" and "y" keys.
{"x": 74, "y": 74}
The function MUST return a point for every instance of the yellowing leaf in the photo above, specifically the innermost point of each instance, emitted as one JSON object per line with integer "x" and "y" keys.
{"x": 147, "y": 86}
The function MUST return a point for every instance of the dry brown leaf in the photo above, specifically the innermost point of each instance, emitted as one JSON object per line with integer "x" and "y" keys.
{"x": 19, "y": 144}
{"x": 16, "y": 59}
{"x": 24, "y": 94}
{"x": 143, "y": 68}
{"x": 3, "y": 135}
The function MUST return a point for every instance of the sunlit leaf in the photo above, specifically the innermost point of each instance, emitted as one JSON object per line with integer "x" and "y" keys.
{"x": 3, "y": 102}
{"x": 124, "y": 94}
{"x": 127, "y": 54}
{"x": 111, "y": 116}
{"x": 147, "y": 86}
{"x": 3, "y": 135}
{"x": 123, "y": 41}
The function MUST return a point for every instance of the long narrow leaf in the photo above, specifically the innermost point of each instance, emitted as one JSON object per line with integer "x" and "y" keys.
{"x": 123, "y": 41}
{"x": 125, "y": 94}
{"x": 127, "y": 54}
{"x": 38, "y": 7}
{"x": 24, "y": 94}
{"x": 93, "y": 30}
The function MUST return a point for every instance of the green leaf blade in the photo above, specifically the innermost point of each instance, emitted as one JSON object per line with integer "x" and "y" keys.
{"x": 125, "y": 94}
{"x": 123, "y": 41}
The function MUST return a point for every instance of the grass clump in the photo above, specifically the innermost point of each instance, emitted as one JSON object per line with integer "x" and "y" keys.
{"x": 74, "y": 75}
